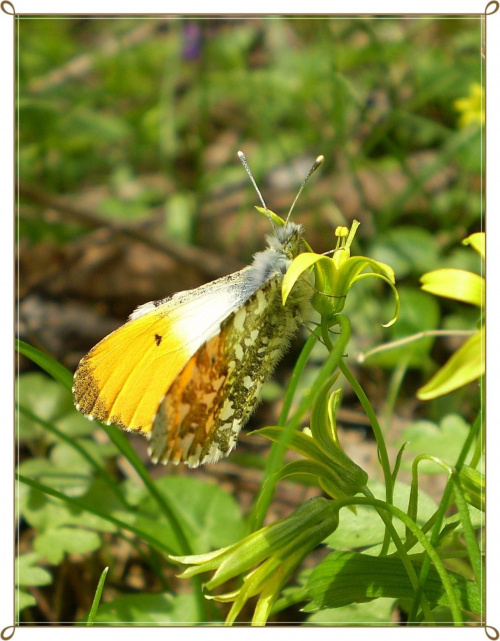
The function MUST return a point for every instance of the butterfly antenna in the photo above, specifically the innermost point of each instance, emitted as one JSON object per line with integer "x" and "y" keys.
{"x": 241, "y": 156}
{"x": 316, "y": 164}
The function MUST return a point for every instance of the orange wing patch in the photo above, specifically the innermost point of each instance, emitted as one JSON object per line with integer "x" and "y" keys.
{"x": 123, "y": 378}
{"x": 206, "y": 406}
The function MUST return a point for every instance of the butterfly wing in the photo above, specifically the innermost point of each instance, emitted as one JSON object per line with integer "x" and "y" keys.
{"x": 207, "y": 404}
{"x": 124, "y": 377}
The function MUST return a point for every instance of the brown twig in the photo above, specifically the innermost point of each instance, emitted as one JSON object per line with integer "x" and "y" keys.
{"x": 206, "y": 261}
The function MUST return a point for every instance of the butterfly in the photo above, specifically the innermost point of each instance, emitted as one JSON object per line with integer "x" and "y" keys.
{"x": 186, "y": 371}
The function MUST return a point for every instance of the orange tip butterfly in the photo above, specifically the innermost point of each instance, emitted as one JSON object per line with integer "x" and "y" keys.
{"x": 186, "y": 371}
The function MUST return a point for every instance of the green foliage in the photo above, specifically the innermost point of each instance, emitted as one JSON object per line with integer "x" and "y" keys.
{"x": 148, "y": 609}
{"x": 138, "y": 123}
{"x": 443, "y": 440}
{"x": 348, "y": 577}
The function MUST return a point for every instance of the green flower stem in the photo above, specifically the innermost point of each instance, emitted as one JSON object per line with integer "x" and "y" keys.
{"x": 296, "y": 376}
{"x": 481, "y": 440}
{"x": 275, "y": 460}
{"x": 382, "y": 450}
{"x": 436, "y": 520}
{"x": 101, "y": 471}
{"x": 469, "y": 535}
{"x": 413, "y": 500}
{"x": 387, "y": 519}
{"x": 422, "y": 539}
{"x": 397, "y": 464}
{"x": 97, "y": 598}
{"x": 407, "y": 340}
{"x": 394, "y": 388}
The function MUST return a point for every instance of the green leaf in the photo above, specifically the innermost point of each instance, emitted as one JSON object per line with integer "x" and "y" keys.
{"x": 376, "y": 612}
{"x": 366, "y": 528}
{"x": 45, "y": 513}
{"x": 97, "y": 598}
{"x": 409, "y": 250}
{"x": 467, "y": 364}
{"x": 23, "y": 600}
{"x": 43, "y": 397}
{"x": 444, "y": 441}
{"x": 28, "y": 573}
{"x": 73, "y": 480}
{"x": 202, "y": 508}
{"x": 349, "y": 577}
{"x": 457, "y": 284}
{"x": 300, "y": 442}
{"x": 149, "y": 609}
{"x": 55, "y": 543}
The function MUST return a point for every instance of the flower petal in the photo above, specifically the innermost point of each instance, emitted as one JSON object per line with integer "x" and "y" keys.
{"x": 298, "y": 267}
{"x": 478, "y": 242}
{"x": 466, "y": 365}
{"x": 455, "y": 283}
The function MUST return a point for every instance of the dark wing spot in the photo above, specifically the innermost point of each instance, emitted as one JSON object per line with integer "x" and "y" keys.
{"x": 158, "y": 339}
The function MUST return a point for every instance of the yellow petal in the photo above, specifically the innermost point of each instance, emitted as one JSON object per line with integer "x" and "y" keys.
{"x": 466, "y": 365}
{"x": 298, "y": 267}
{"x": 478, "y": 242}
{"x": 457, "y": 284}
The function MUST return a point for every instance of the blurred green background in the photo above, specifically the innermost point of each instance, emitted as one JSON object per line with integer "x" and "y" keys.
{"x": 130, "y": 187}
{"x": 135, "y": 124}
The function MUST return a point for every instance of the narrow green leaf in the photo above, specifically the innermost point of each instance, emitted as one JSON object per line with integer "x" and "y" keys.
{"x": 97, "y": 598}
{"x": 52, "y": 367}
{"x": 160, "y": 545}
{"x": 299, "y": 442}
{"x": 473, "y": 484}
{"x": 277, "y": 220}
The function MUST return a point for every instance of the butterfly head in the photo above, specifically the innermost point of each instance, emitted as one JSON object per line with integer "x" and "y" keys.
{"x": 287, "y": 239}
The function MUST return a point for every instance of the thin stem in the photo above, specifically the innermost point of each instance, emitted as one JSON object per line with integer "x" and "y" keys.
{"x": 394, "y": 389}
{"x": 411, "y": 339}
{"x": 422, "y": 539}
{"x": 382, "y": 449}
{"x": 470, "y": 537}
{"x": 437, "y": 518}
{"x": 275, "y": 460}
{"x": 296, "y": 376}
{"x": 101, "y": 471}
{"x": 387, "y": 519}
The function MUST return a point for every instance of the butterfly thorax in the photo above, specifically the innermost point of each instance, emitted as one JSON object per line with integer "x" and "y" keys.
{"x": 283, "y": 246}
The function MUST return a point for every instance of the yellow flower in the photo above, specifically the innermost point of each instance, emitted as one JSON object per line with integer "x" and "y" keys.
{"x": 471, "y": 107}
{"x": 266, "y": 558}
{"x": 467, "y": 363}
{"x": 335, "y": 276}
